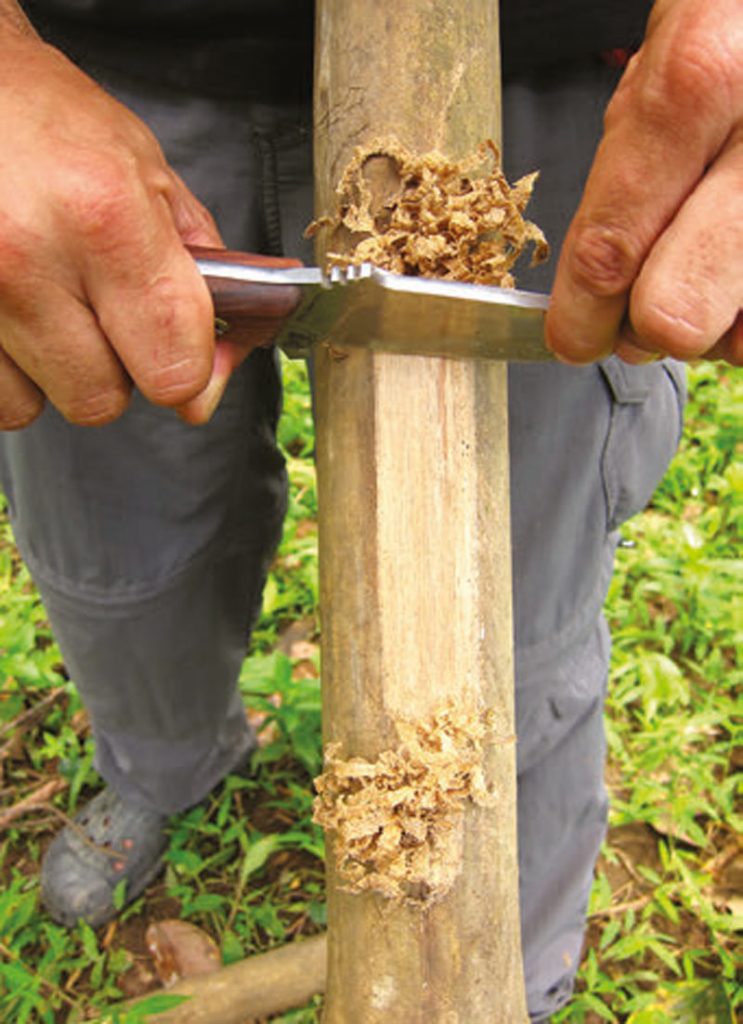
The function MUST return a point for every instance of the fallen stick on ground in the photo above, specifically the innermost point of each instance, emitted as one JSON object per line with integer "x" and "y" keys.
{"x": 282, "y": 979}
{"x": 32, "y": 715}
{"x": 32, "y": 801}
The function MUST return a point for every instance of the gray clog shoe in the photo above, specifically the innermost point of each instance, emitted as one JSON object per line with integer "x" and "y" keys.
{"x": 110, "y": 840}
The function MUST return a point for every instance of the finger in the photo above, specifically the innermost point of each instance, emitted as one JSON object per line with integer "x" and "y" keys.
{"x": 20, "y": 400}
{"x": 199, "y": 410}
{"x": 666, "y": 122}
{"x": 151, "y": 301}
{"x": 232, "y": 349}
{"x": 56, "y": 342}
{"x": 690, "y": 290}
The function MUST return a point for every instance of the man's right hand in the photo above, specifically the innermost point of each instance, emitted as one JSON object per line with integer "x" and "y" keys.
{"x": 97, "y": 290}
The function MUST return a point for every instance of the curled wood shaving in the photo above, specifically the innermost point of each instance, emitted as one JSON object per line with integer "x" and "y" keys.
{"x": 429, "y": 216}
{"x": 398, "y": 821}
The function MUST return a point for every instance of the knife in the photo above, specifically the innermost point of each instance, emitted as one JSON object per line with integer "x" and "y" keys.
{"x": 365, "y": 307}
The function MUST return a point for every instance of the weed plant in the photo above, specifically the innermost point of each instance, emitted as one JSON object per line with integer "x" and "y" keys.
{"x": 246, "y": 865}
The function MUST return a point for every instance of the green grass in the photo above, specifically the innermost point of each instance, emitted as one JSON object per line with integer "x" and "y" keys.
{"x": 246, "y": 866}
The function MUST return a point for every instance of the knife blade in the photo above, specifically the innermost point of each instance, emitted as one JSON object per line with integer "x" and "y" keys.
{"x": 365, "y": 307}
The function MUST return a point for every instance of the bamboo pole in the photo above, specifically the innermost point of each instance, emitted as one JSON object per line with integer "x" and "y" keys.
{"x": 414, "y": 538}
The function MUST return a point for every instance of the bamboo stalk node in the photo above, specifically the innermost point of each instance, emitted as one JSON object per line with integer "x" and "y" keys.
{"x": 398, "y": 821}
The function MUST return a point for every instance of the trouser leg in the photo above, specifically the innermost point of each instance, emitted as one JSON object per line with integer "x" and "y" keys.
{"x": 562, "y": 810}
{"x": 587, "y": 448}
{"x": 149, "y": 540}
{"x": 153, "y": 602}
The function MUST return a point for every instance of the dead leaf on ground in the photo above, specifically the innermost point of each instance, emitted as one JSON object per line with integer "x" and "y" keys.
{"x": 303, "y": 650}
{"x": 665, "y": 825}
{"x": 304, "y": 655}
{"x": 138, "y": 980}
{"x": 181, "y": 950}
{"x": 726, "y": 869}
{"x": 265, "y": 734}
{"x": 296, "y": 632}
{"x": 81, "y": 723}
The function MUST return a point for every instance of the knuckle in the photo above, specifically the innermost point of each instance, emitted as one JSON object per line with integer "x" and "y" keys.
{"x": 604, "y": 259}
{"x": 98, "y": 198}
{"x": 180, "y": 329}
{"x": 700, "y": 63}
{"x": 16, "y": 265}
{"x": 181, "y": 309}
{"x": 685, "y": 85}
{"x": 678, "y": 84}
{"x": 173, "y": 295}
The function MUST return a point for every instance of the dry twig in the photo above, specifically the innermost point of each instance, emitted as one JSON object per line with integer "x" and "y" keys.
{"x": 28, "y": 718}
{"x": 33, "y": 801}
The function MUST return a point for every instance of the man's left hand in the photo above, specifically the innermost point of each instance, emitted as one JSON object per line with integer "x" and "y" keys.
{"x": 653, "y": 262}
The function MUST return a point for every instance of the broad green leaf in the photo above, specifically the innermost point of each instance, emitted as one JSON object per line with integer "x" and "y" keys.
{"x": 159, "y": 1003}
{"x": 232, "y": 948}
{"x": 256, "y": 856}
{"x": 204, "y": 903}
{"x": 89, "y": 941}
{"x": 186, "y": 860}
{"x": 598, "y": 1007}
{"x": 119, "y": 895}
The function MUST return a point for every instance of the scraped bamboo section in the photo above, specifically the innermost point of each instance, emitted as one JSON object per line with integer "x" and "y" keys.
{"x": 414, "y": 549}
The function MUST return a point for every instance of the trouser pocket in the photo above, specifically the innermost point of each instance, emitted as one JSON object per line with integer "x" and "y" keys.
{"x": 644, "y": 431}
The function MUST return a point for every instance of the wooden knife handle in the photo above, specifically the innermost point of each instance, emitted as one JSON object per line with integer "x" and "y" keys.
{"x": 240, "y": 304}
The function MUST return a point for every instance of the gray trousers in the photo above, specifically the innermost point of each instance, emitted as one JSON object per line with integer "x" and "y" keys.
{"x": 149, "y": 540}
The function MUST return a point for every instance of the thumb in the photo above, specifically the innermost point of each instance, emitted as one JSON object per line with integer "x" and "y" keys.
{"x": 200, "y": 409}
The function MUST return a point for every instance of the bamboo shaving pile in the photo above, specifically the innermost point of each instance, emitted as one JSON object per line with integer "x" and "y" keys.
{"x": 429, "y": 216}
{"x": 398, "y": 821}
